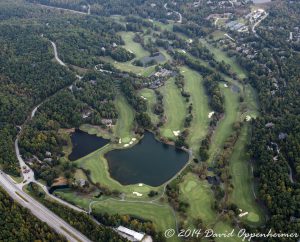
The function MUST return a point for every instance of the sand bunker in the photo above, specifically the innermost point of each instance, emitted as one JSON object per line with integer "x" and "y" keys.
{"x": 176, "y": 133}
{"x": 225, "y": 85}
{"x": 137, "y": 193}
{"x": 143, "y": 97}
{"x": 211, "y": 114}
{"x": 141, "y": 184}
{"x": 126, "y": 145}
{"x": 243, "y": 214}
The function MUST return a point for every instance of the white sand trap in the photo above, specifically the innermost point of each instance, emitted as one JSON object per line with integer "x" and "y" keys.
{"x": 126, "y": 145}
{"x": 240, "y": 210}
{"x": 243, "y": 214}
{"x": 141, "y": 184}
{"x": 133, "y": 139}
{"x": 176, "y": 133}
{"x": 248, "y": 118}
{"x": 225, "y": 85}
{"x": 183, "y": 51}
{"x": 138, "y": 194}
{"x": 183, "y": 71}
{"x": 131, "y": 142}
{"x": 130, "y": 51}
{"x": 120, "y": 141}
{"x": 211, "y": 114}
{"x": 143, "y": 97}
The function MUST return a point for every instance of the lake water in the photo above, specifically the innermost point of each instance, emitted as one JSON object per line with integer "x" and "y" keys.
{"x": 150, "y": 162}
{"x": 84, "y": 143}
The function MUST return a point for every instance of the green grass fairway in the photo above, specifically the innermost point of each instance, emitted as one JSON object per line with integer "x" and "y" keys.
{"x": 128, "y": 67}
{"x": 200, "y": 197}
{"x": 194, "y": 85}
{"x": 240, "y": 170}
{"x": 224, "y": 127}
{"x": 151, "y": 100}
{"x": 132, "y": 46}
{"x": 219, "y": 55}
{"x": 161, "y": 216}
{"x": 123, "y": 128}
{"x": 175, "y": 109}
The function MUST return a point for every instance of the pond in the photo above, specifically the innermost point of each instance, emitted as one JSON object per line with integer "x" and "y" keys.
{"x": 158, "y": 57}
{"x": 150, "y": 162}
{"x": 84, "y": 143}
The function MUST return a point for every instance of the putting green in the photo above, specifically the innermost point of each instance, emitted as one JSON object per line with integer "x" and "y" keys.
{"x": 175, "y": 109}
{"x": 199, "y": 99}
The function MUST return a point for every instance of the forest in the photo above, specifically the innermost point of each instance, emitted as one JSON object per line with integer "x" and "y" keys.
{"x": 18, "y": 224}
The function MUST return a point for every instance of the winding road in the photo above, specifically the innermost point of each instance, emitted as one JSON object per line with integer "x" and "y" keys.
{"x": 257, "y": 23}
{"x": 179, "y": 14}
{"x": 15, "y": 190}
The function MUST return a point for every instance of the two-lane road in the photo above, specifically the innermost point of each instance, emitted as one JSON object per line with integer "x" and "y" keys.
{"x": 39, "y": 210}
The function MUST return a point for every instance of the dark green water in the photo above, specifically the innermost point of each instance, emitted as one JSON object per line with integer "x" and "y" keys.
{"x": 84, "y": 143}
{"x": 149, "y": 162}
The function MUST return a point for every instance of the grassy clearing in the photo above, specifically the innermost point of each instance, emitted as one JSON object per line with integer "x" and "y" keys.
{"x": 251, "y": 101}
{"x": 124, "y": 125}
{"x": 175, "y": 109}
{"x": 151, "y": 100}
{"x": 200, "y": 197}
{"x": 240, "y": 170}
{"x": 224, "y": 127}
{"x": 161, "y": 216}
{"x": 73, "y": 198}
{"x": 199, "y": 125}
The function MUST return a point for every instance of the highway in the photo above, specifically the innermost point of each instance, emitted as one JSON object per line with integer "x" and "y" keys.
{"x": 40, "y": 211}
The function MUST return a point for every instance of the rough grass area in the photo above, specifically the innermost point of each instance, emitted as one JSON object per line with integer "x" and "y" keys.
{"x": 175, "y": 109}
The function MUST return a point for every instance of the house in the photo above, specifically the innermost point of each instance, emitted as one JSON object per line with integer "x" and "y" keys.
{"x": 106, "y": 121}
{"x": 130, "y": 234}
